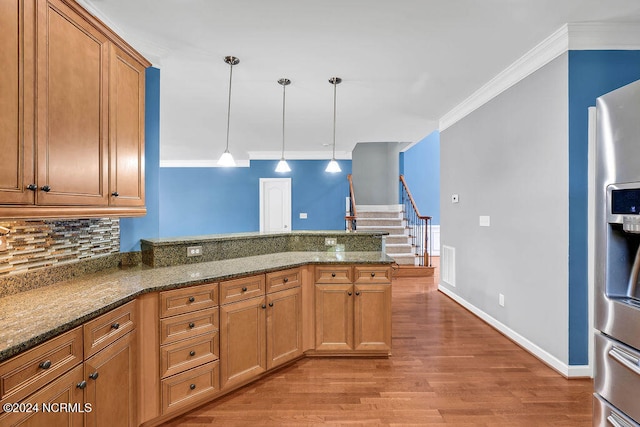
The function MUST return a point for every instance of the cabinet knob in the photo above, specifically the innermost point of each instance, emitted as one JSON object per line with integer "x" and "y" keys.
{"x": 192, "y": 353}
{"x": 191, "y": 299}
{"x": 115, "y": 194}
{"x": 45, "y": 365}
{"x": 115, "y": 325}
{"x": 373, "y": 274}
{"x": 32, "y": 187}
{"x": 333, "y": 274}
{"x": 349, "y": 293}
{"x": 285, "y": 280}
{"x": 45, "y": 188}
{"x": 264, "y": 306}
{"x": 244, "y": 289}
{"x": 270, "y": 304}
{"x": 357, "y": 293}
{"x": 94, "y": 376}
{"x": 192, "y": 325}
{"x": 81, "y": 385}
{"x": 192, "y": 386}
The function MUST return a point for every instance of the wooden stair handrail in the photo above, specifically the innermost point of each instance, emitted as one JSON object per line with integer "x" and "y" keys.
{"x": 352, "y": 195}
{"x": 413, "y": 203}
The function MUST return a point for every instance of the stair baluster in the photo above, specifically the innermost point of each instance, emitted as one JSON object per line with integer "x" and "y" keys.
{"x": 419, "y": 226}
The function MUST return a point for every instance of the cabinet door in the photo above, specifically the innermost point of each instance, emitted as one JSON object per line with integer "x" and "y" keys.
{"x": 72, "y": 111}
{"x": 242, "y": 341}
{"x": 334, "y": 317}
{"x": 372, "y": 317}
{"x": 284, "y": 326}
{"x": 65, "y": 391}
{"x": 126, "y": 124}
{"x": 111, "y": 384}
{"x": 16, "y": 101}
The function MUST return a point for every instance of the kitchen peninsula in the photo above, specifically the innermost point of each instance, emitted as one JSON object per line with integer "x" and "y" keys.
{"x": 187, "y": 324}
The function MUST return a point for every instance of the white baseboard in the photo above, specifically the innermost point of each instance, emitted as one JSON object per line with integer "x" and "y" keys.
{"x": 568, "y": 371}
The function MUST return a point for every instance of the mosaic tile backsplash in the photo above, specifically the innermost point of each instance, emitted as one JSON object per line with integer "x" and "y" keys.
{"x": 33, "y": 245}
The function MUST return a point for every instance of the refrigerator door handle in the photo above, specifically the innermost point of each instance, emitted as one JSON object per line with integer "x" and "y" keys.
{"x": 616, "y": 421}
{"x": 625, "y": 358}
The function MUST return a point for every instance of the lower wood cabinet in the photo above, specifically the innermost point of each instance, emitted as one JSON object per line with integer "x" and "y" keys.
{"x": 63, "y": 391}
{"x": 284, "y": 326}
{"x": 111, "y": 384}
{"x": 353, "y": 318}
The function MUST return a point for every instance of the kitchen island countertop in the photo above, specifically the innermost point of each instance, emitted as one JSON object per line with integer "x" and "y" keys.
{"x": 32, "y": 317}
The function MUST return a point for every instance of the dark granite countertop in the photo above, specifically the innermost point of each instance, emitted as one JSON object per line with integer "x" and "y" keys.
{"x": 32, "y": 317}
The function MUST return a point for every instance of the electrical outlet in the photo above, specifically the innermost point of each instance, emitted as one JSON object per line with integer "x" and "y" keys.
{"x": 501, "y": 300}
{"x": 194, "y": 251}
{"x": 330, "y": 241}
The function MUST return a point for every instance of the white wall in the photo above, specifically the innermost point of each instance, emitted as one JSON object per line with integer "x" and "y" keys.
{"x": 509, "y": 160}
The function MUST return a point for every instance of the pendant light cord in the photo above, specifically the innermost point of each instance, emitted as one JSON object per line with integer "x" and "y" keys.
{"x": 284, "y": 88}
{"x": 335, "y": 84}
{"x": 229, "y": 104}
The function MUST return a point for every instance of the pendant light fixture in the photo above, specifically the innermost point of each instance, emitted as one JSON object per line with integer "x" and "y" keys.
{"x": 333, "y": 166}
{"x": 226, "y": 160}
{"x": 283, "y": 166}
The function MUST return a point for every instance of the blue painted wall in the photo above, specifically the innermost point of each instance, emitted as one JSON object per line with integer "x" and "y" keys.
{"x": 196, "y": 201}
{"x": 134, "y": 229}
{"x": 420, "y": 166}
{"x": 591, "y": 74}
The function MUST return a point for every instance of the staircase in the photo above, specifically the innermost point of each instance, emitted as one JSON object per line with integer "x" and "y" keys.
{"x": 390, "y": 219}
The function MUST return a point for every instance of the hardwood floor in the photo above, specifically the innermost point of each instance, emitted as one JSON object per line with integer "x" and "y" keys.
{"x": 448, "y": 367}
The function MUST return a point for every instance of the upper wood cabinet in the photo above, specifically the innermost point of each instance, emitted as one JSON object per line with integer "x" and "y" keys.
{"x": 72, "y": 136}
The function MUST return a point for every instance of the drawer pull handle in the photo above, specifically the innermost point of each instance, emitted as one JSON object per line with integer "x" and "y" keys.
{"x": 191, "y": 299}
{"x": 373, "y": 274}
{"x": 81, "y": 385}
{"x": 357, "y": 293}
{"x": 349, "y": 293}
{"x": 617, "y": 421}
{"x": 192, "y": 325}
{"x": 285, "y": 280}
{"x": 45, "y": 365}
{"x": 244, "y": 289}
{"x": 192, "y": 386}
{"x": 270, "y": 304}
{"x": 192, "y": 353}
{"x": 333, "y": 274}
{"x": 626, "y": 359}
{"x": 115, "y": 326}
{"x": 94, "y": 376}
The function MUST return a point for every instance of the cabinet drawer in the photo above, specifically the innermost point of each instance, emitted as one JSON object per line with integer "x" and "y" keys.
{"x": 281, "y": 280}
{"x": 102, "y": 331}
{"x": 183, "y": 355}
{"x": 188, "y": 325}
{"x": 179, "y": 301}
{"x": 372, "y": 274}
{"x": 241, "y": 289}
{"x": 29, "y": 371}
{"x": 190, "y": 387}
{"x": 333, "y": 274}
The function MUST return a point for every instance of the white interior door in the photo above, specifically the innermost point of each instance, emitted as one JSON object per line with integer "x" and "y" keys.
{"x": 275, "y": 204}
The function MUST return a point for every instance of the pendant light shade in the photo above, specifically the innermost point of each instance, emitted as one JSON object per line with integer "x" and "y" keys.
{"x": 283, "y": 166}
{"x": 226, "y": 160}
{"x": 333, "y": 166}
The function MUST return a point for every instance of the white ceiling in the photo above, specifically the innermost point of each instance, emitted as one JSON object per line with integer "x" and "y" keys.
{"x": 404, "y": 64}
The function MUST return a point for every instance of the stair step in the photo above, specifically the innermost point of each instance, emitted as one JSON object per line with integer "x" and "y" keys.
{"x": 393, "y": 230}
{"x": 396, "y": 239}
{"x": 398, "y": 248}
{"x": 379, "y": 215}
{"x": 404, "y": 259}
{"x": 380, "y": 222}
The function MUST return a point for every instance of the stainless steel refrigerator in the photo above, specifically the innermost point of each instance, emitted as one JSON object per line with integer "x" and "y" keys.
{"x": 616, "y": 400}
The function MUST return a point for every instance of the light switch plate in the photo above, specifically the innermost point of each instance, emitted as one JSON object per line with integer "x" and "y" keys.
{"x": 303, "y": 215}
{"x": 455, "y": 198}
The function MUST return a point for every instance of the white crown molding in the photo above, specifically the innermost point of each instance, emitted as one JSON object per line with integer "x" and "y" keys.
{"x": 549, "y": 49}
{"x": 153, "y": 52}
{"x": 298, "y": 155}
{"x": 199, "y": 164}
{"x": 582, "y": 36}
{"x": 568, "y": 371}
